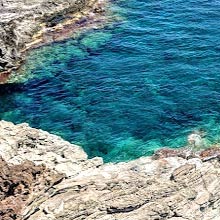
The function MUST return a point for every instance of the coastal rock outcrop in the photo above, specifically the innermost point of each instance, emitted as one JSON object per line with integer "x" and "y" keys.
{"x": 24, "y": 24}
{"x": 19, "y": 182}
{"x": 58, "y": 181}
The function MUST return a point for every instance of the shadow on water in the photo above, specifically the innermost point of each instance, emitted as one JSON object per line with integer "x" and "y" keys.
{"x": 10, "y": 88}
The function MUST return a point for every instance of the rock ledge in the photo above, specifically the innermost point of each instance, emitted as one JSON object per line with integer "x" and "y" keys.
{"x": 25, "y": 24}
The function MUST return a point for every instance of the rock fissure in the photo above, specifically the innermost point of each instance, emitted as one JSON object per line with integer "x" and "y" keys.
{"x": 113, "y": 210}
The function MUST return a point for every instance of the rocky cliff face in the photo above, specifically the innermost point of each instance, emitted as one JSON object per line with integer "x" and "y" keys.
{"x": 49, "y": 178}
{"x": 26, "y": 23}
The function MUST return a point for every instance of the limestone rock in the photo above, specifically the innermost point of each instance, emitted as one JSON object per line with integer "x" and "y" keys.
{"x": 70, "y": 186}
{"x": 24, "y": 22}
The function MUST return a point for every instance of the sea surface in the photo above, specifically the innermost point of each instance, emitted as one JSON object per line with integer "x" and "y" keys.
{"x": 144, "y": 82}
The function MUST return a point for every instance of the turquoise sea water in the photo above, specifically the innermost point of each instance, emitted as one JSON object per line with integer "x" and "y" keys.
{"x": 122, "y": 92}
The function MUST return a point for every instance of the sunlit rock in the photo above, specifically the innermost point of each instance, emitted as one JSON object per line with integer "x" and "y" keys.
{"x": 60, "y": 183}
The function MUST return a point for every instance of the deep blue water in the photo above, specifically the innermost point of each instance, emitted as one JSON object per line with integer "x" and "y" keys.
{"x": 142, "y": 83}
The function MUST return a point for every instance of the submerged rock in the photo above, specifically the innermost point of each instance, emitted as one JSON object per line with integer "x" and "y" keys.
{"x": 59, "y": 182}
{"x": 196, "y": 140}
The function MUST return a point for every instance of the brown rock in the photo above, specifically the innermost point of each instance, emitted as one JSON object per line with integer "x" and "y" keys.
{"x": 17, "y": 183}
{"x": 210, "y": 153}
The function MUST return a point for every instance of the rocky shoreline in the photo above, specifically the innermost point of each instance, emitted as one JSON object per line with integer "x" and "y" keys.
{"x": 27, "y": 24}
{"x": 49, "y": 178}
{"x": 44, "y": 177}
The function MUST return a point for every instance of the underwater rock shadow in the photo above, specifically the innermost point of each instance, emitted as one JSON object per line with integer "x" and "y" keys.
{"x": 11, "y": 88}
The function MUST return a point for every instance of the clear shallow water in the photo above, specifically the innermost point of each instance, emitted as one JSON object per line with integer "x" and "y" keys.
{"x": 133, "y": 87}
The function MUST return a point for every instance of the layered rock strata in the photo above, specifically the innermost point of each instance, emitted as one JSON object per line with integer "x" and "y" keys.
{"x": 61, "y": 183}
{"x": 24, "y": 24}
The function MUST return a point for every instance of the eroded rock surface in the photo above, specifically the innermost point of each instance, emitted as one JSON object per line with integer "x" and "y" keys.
{"x": 20, "y": 182}
{"x": 23, "y": 22}
{"x": 181, "y": 186}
